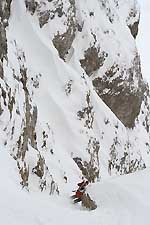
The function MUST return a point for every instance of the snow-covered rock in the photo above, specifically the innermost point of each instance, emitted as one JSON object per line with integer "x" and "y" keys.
{"x": 72, "y": 97}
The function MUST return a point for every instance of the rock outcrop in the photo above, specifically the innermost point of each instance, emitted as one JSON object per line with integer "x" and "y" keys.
{"x": 72, "y": 96}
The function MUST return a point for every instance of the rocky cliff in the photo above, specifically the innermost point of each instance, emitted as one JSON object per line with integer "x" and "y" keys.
{"x": 71, "y": 90}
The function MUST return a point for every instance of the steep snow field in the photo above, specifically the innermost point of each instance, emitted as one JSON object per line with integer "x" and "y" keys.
{"x": 124, "y": 200}
{"x": 54, "y": 107}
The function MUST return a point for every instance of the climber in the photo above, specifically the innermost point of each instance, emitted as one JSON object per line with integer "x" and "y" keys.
{"x": 83, "y": 184}
{"x": 80, "y": 191}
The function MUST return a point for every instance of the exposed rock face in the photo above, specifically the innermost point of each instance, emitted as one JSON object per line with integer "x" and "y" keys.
{"x": 116, "y": 86}
{"x": 134, "y": 29}
{"x": 5, "y": 10}
{"x": 4, "y": 16}
{"x": 51, "y": 116}
{"x": 29, "y": 120}
{"x": 120, "y": 95}
{"x": 88, "y": 202}
{"x": 133, "y": 20}
{"x": 63, "y": 42}
{"x": 90, "y": 169}
{"x": 31, "y": 5}
{"x": 93, "y": 60}
{"x": 57, "y": 9}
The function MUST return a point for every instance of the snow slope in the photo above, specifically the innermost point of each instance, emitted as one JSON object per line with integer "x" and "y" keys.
{"x": 124, "y": 200}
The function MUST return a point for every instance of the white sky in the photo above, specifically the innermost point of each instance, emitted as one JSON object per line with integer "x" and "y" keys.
{"x": 143, "y": 40}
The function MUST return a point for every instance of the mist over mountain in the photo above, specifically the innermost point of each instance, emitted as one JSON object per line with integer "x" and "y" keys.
{"x": 143, "y": 37}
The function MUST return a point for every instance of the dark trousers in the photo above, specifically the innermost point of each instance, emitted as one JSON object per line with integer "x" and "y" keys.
{"x": 73, "y": 196}
{"x": 77, "y": 200}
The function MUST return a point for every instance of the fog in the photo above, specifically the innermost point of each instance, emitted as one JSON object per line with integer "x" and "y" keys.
{"x": 143, "y": 39}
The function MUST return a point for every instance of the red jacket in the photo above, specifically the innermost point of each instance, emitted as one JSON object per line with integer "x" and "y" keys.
{"x": 79, "y": 194}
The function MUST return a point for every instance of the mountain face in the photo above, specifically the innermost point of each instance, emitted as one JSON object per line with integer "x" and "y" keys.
{"x": 72, "y": 96}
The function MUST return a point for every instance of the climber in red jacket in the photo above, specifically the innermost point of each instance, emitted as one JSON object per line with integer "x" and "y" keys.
{"x": 80, "y": 191}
